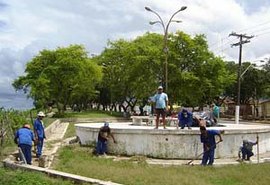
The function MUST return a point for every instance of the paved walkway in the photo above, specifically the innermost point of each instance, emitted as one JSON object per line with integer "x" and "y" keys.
{"x": 54, "y": 140}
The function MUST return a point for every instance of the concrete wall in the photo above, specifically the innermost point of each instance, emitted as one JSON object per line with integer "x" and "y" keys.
{"x": 265, "y": 109}
{"x": 178, "y": 144}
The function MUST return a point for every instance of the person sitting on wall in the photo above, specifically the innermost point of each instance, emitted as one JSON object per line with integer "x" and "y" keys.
{"x": 185, "y": 118}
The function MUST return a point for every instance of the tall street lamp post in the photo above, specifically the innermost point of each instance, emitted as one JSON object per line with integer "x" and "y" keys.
{"x": 165, "y": 38}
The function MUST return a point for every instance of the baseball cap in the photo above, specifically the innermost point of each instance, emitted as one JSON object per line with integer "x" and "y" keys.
{"x": 106, "y": 124}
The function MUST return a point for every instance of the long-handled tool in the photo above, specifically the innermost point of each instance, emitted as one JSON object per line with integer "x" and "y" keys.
{"x": 258, "y": 154}
{"x": 196, "y": 157}
{"x": 22, "y": 155}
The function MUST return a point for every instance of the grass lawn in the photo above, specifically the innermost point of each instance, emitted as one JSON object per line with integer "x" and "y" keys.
{"x": 47, "y": 121}
{"x": 16, "y": 177}
{"x": 71, "y": 132}
{"x": 93, "y": 114}
{"x": 79, "y": 160}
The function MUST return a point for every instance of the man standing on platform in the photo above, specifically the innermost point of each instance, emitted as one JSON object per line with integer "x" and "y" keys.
{"x": 161, "y": 104}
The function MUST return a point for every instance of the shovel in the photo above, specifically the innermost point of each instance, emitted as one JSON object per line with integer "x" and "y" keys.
{"x": 196, "y": 157}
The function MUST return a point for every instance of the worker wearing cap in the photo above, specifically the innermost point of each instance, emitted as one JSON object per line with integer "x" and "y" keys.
{"x": 24, "y": 138}
{"x": 246, "y": 149}
{"x": 185, "y": 118}
{"x": 161, "y": 102}
{"x": 39, "y": 133}
{"x": 103, "y": 136}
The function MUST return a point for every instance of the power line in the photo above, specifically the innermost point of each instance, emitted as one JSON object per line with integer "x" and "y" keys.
{"x": 220, "y": 48}
{"x": 253, "y": 29}
{"x": 261, "y": 30}
{"x": 256, "y": 26}
{"x": 262, "y": 34}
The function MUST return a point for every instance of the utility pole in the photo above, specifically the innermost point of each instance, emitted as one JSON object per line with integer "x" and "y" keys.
{"x": 243, "y": 40}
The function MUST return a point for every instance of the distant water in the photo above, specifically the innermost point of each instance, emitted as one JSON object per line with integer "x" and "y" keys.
{"x": 16, "y": 101}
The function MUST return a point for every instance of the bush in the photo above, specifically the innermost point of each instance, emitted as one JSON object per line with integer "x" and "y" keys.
{"x": 10, "y": 121}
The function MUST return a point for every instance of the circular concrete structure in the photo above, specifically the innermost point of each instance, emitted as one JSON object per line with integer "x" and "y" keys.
{"x": 171, "y": 143}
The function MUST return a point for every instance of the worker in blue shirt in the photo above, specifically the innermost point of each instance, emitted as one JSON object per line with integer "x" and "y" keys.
{"x": 24, "y": 138}
{"x": 103, "y": 136}
{"x": 39, "y": 133}
{"x": 185, "y": 119}
{"x": 209, "y": 144}
{"x": 246, "y": 149}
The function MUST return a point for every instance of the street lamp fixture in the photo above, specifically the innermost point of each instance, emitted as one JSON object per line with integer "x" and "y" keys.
{"x": 176, "y": 21}
{"x": 183, "y": 8}
{"x": 154, "y": 22}
{"x": 148, "y": 9}
{"x": 165, "y": 38}
{"x": 251, "y": 64}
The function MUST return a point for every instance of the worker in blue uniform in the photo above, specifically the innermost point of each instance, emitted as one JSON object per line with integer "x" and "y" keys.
{"x": 185, "y": 118}
{"x": 39, "y": 133}
{"x": 24, "y": 138}
{"x": 209, "y": 144}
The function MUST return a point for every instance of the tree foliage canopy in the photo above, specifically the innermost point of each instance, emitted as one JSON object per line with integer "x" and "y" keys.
{"x": 127, "y": 72}
{"x": 135, "y": 69}
{"x": 62, "y": 76}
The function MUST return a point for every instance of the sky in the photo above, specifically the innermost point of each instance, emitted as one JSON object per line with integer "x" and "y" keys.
{"x": 29, "y": 26}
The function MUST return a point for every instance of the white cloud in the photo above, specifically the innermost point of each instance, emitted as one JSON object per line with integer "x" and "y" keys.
{"x": 31, "y": 25}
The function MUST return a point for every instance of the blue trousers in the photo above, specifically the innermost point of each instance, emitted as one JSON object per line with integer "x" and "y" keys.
{"x": 40, "y": 146}
{"x": 182, "y": 125}
{"x": 208, "y": 156}
{"x": 101, "y": 147}
{"x": 246, "y": 154}
{"x": 26, "y": 150}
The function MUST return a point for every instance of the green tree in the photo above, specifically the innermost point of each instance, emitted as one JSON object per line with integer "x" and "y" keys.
{"x": 135, "y": 69}
{"x": 196, "y": 76}
{"x": 63, "y": 76}
{"x": 266, "y": 79}
{"x": 132, "y": 68}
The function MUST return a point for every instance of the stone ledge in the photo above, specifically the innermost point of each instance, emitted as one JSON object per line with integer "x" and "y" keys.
{"x": 54, "y": 173}
{"x": 91, "y": 120}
